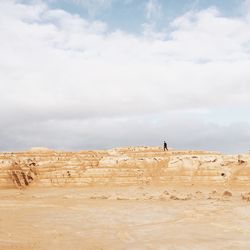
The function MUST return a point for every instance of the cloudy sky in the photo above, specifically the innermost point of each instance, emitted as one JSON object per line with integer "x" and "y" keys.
{"x": 97, "y": 74}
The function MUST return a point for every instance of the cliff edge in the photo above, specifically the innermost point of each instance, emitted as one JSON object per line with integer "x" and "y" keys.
{"x": 42, "y": 167}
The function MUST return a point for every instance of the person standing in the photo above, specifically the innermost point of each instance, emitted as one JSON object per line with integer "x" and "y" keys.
{"x": 165, "y": 146}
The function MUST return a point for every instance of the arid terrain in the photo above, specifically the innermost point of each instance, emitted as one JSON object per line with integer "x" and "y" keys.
{"x": 133, "y": 198}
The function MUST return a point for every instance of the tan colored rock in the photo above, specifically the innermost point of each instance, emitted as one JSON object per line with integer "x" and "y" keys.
{"x": 39, "y": 149}
{"x": 246, "y": 196}
{"x": 243, "y": 158}
{"x": 126, "y": 166}
{"x": 227, "y": 193}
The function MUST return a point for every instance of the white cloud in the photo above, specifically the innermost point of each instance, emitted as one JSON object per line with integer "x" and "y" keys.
{"x": 212, "y": 36}
{"x": 153, "y": 10}
{"x": 67, "y": 82}
{"x": 246, "y": 9}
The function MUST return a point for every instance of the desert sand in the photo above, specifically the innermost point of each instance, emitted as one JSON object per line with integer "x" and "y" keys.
{"x": 127, "y": 198}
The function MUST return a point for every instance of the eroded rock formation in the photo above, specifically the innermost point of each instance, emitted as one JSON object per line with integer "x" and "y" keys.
{"x": 122, "y": 166}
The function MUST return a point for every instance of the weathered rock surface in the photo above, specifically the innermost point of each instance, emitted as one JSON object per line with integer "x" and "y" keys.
{"x": 122, "y": 166}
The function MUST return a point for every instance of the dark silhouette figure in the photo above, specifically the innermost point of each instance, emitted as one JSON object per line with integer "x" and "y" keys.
{"x": 165, "y": 146}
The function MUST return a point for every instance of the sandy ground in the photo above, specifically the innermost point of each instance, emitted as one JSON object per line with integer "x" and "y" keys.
{"x": 124, "y": 218}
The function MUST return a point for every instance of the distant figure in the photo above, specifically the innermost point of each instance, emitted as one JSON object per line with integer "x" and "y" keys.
{"x": 165, "y": 146}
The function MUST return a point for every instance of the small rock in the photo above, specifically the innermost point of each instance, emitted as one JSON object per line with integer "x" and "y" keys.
{"x": 246, "y": 196}
{"x": 182, "y": 198}
{"x": 122, "y": 198}
{"x": 173, "y": 197}
{"x": 227, "y": 193}
{"x": 165, "y": 192}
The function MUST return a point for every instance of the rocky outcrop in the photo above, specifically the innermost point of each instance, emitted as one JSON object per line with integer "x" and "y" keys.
{"x": 122, "y": 166}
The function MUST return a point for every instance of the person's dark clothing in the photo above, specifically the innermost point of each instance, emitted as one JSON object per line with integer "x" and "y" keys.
{"x": 165, "y": 146}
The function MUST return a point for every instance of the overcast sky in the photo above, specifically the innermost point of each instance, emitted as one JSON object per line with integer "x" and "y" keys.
{"x": 97, "y": 74}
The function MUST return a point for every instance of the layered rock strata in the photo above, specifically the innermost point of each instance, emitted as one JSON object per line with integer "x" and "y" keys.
{"x": 121, "y": 166}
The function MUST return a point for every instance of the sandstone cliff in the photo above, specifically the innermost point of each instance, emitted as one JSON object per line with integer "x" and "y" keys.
{"x": 122, "y": 166}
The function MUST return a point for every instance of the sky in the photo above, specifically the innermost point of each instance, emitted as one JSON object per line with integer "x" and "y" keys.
{"x": 99, "y": 74}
